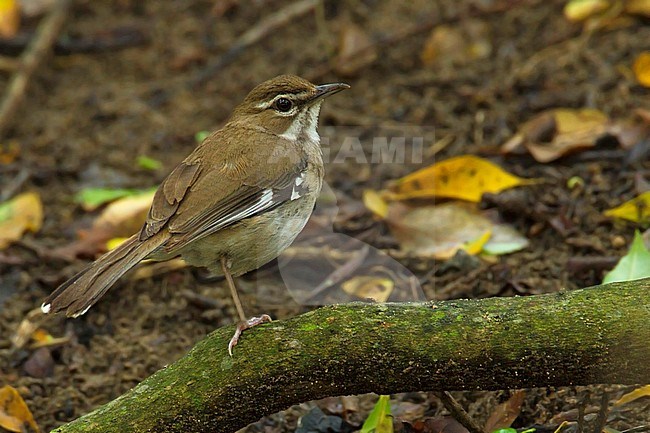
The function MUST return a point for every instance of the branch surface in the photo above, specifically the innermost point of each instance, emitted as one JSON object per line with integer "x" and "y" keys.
{"x": 595, "y": 335}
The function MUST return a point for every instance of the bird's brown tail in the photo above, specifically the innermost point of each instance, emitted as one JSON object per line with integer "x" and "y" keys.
{"x": 80, "y": 292}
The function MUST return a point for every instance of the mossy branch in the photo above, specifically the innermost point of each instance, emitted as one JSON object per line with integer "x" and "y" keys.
{"x": 595, "y": 335}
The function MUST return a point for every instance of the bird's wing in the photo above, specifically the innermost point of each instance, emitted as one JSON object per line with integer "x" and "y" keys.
{"x": 215, "y": 188}
{"x": 169, "y": 195}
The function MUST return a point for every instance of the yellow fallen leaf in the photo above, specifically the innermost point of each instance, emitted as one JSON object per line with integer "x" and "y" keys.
{"x": 444, "y": 42}
{"x": 638, "y": 7}
{"x": 9, "y": 18}
{"x": 149, "y": 269}
{"x": 9, "y": 151}
{"x": 644, "y": 391}
{"x": 641, "y": 68}
{"x": 369, "y": 287}
{"x": 636, "y": 210}
{"x": 41, "y": 336}
{"x": 113, "y": 243}
{"x": 375, "y": 203}
{"x": 580, "y": 10}
{"x": 570, "y": 120}
{"x": 119, "y": 219}
{"x": 15, "y": 416}
{"x": 128, "y": 213}
{"x": 464, "y": 177}
{"x": 475, "y": 246}
{"x": 18, "y": 215}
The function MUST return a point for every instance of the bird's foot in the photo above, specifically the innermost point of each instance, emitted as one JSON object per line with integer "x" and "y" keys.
{"x": 242, "y": 326}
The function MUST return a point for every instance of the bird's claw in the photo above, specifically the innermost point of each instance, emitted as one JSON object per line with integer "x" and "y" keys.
{"x": 242, "y": 326}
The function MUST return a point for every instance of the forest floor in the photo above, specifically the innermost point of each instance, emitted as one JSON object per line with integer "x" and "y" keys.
{"x": 89, "y": 116}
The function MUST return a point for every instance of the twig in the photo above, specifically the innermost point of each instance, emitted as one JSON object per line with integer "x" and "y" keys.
{"x": 9, "y": 64}
{"x": 106, "y": 40}
{"x": 254, "y": 35}
{"x": 601, "y": 419}
{"x": 576, "y": 265}
{"x": 114, "y": 39}
{"x": 203, "y": 302}
{"x": 37, "y": 50}
{"x": 457, "y": 411}
{"x": 340, "y": 273}
{"x": 12, "y": 187}
{"x": 581, "y": 418}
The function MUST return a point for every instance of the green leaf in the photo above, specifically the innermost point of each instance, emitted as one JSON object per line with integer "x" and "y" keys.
{"x": 634, "y": 265}
{"x": 91, "y": 198}
{"x": 380, "y": 419}
{"x": 200, "y": 136}
{"x": 505, "y": 430}
{"x": 148, "y": 163}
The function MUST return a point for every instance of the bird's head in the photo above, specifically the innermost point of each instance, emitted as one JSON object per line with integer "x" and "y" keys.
{"x": 287, "y": 106}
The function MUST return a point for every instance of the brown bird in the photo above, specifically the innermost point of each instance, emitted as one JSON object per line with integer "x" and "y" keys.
{"x": 235, "y": 203}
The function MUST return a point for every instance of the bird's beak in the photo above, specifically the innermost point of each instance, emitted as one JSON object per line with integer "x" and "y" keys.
{"x": 325, "y": 90}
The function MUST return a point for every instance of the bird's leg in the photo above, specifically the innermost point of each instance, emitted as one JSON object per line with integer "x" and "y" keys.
{"x": 244, "y": 323}
{"x": 233, "y": 289}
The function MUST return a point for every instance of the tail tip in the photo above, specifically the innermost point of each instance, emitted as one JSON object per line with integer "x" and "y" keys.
{"x": 80, "y": 313}
{"x": 45, "y": 308}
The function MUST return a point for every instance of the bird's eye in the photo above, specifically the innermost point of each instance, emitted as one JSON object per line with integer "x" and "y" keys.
{"x": 283, "y": 105}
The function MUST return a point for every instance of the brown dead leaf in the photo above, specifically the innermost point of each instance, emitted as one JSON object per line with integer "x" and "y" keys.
{"x": 459, "y": 43}
{"x": 643, "y": 114}
{"x": 540, "y": 128}
{"x": 505, "y": 414}
{"x": 222, "y": 7}
{"x": 628, "y": 133}
{"x": 15, "y": 416}
{"x": 18, "y": 215}
{"x": 440, "y": 231}
{"x": 40, "y": 363}
{"x": 558, "y": 132}
{"x": 349, "y": 406}
{"x": 442, "y": 424}
{"x": 356, "y": 51}
{"x": 445, "y": 40}
{"x": 30, "y": 323}
{"x": 121, "y": 218}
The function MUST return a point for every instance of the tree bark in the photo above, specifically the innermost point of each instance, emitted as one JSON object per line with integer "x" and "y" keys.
{"x": 595, "y": 335}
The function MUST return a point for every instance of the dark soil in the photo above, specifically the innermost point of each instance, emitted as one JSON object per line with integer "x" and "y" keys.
{"x": 88, "y": 116}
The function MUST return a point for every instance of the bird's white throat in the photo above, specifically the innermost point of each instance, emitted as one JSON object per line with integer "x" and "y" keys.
{"x": 305, "y": 125}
